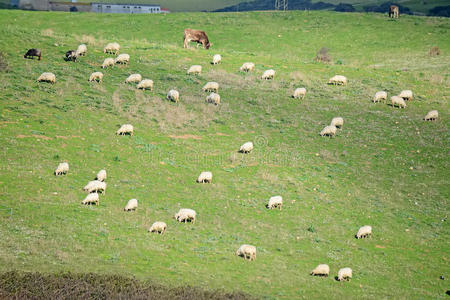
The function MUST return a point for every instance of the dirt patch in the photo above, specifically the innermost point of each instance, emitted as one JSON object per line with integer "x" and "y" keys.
{"x": 15, "y": 285}
{"x": 222, "y": 134}
{"x": 186, "y": 136}
{"x": 21, "y": 136}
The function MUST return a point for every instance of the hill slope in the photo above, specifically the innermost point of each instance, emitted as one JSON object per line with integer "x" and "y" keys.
{"x": 386, "y": 167}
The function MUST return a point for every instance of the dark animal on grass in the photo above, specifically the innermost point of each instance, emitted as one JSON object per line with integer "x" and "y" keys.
{"x": 198, "y": 36}
{"x": 393, "y": 11}
{"x": 71, "y": 55}
{"x": 32, "y": 53}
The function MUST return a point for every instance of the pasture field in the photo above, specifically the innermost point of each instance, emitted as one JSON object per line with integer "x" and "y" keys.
{"x": 386, "y": 168}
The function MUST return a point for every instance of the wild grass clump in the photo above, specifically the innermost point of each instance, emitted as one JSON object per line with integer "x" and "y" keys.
{"x": 3, "y": 63}
{"x": 323, "y": 55}
{"x": 434, "y": 51}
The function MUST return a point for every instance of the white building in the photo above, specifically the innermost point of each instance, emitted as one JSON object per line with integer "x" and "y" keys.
{"x": 125, "y": 8}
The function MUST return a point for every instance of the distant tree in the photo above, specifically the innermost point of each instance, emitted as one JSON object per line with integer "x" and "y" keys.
{"x": 344, "y": 7}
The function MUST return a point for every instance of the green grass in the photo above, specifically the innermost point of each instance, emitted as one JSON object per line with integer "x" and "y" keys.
{"x": 386, "y": 168}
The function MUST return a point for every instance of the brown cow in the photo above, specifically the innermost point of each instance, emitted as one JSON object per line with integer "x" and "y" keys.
{"x": 393, "y": 11}
{"x": 198, "y": 36}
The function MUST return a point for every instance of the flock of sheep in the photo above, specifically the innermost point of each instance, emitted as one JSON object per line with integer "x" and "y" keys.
{"x": 97, "y": 186}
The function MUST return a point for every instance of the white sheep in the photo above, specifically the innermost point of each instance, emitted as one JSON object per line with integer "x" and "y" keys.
{"x": 246, "y": 147}
{"x": 248, "y": 66}
{"x": 344, "y": 274}
{"x": 122, "y": 59}
{"x": 338, "y": 122}
{"x": 431, "y": 115}
{"x": 133, "y": 78}
{"x": 216, "y": 59}
{"x": 95, "y": 186}
{"x": 213, "y": 98}
{"x": 329, "y": 130}
{"x": 211, "y": 87}
{"x": 406, "y": 95}
{"x": 81, "y": 50}
{"x": 381, "y": 95}
{"x": 112, "y": 48}
{"x": 108, "y": 62}
{"x": 91, "y": 199}
{"x": 398, "y": 101}
{"x": 158, "y": 227}
{"x": 186, "y": 215}
{"x": 195, "y": 69}
{"x": 96, "y": 76}
{"x": 47, "y": 77}
{"x": 274, "y": 202}
{"x": 62, "y": 169}
{"x": 338, "y": 80}
{"x": 125, "y": 129}
{"x": 247, "y": 252}
{"x": 321, "y": 270}
{"x": 299, "y": 93}
{"x": 268, "y": 74}
{"x": 364, "y": 232}
{"x": 146, "y": 84}
{"x": 173, "y": 95}
{"x": 101, "y": 175}
{"x": 131, "y": 205}
{"x": 205, "y": 177}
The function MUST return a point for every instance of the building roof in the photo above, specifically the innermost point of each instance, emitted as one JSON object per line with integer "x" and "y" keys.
{"x": 126, "y": 4}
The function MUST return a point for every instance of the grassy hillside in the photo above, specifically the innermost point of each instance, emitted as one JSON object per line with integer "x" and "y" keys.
{"x": 386, "y": 167}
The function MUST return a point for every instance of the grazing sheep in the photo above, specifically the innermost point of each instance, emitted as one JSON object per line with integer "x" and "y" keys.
{"x": 338, "y": 80}
{"x": 91, "y": 199}
{"x": 398, "y": 101}
{"x": 299, "y": 93}
{"x": 47, "y": 77}
{"x": 81, "y": 50}
{"x": 407, "y": 95}
{"x": 211, "y": 87}
{"x": 125, "y": 129}
{"x": 96, "y": 76}
{"x": 329, "y": 130}
{"x": 195, "y": 69}
{"x": 186, "y": 215}
{"x": 338, "y": 122}
{"x": 146, "y": 84}
{"x": 213, "y": 98}
{"x": 274, "y": 202}
{"x": 216, "y": 59}
{"x": 268, "y": 74}
{"x": 101, "y": 175}
{"x": 131, "y": 205}
{"x": 133, "y": 78}
{"x": 205, "y": 177}
{"x": 62, "y": 169}
{"x": 364, "y": 232}
{"x": 246, "y": 147}
{"x": 247, "y": 252}
{"x": 381, "y": 95}
{"x": 31, "y": 53}
{"x": 321, "y": 270}
{"x": 112, "y": 48}
{"x": 95, "y": 186}
{"x": 344, "y": 274}
{"x": 71, "y": 55}
{"x": 248, "y": 66}
{"x": 173, "y": 95}
{"x": 431, "y": 115}
{"x": 108, "y": 62}
{"x": 122, "y": 59}
{"x": 158, "y": 227}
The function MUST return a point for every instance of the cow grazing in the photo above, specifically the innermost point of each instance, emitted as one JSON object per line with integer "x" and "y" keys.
{"x": 198, "y": 36}
{"x": 393, "y": 11}
{"x": 32, "y": 53}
